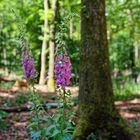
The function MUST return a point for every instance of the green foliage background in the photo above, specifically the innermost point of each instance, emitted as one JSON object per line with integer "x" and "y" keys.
{"x": 122, "y": 33}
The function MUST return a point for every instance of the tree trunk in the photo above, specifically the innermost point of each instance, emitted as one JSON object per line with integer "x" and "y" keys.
{"x": 51, "y": 85}
{"x": 71, "y": 27}
{"x": 5, "y": 61}
{"x": 96, "y": 109}
{"x": 134, "y": 47}
{"x": 15, "y": 59}
{"x": 136, "y": 53}
{"x": 44, "y": 46}
{"x": 1, "y": 40}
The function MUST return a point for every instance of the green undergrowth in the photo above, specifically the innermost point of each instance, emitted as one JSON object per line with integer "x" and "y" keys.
{"x": 20, "y": 98}
{"x": 127, "y": 91}
{"x": 3, "y": 124}
{"x": 6, "y": 84}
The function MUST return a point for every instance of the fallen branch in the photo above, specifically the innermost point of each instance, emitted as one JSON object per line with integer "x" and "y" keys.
{"x": 14, "y": 109}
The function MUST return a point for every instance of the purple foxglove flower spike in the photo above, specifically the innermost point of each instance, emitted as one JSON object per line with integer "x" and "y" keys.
{"x": 62, "y": 70}
{"x": 28, "y": 64}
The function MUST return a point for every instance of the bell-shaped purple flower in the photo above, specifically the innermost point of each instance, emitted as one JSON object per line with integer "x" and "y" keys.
{"x": 28, "y": 64}
{"x": 62, "y": 71}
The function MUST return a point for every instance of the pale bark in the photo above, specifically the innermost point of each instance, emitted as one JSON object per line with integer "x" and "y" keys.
{"x": 51, "y": 84}
{"x": 5, "y": 61}
{"x": 15, "y": 54}
{"x": 44, "y": 45}
{"x": 71, "y": 27}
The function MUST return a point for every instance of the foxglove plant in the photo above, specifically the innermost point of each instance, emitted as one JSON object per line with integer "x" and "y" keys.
{"x": 37, "y": 110}
{"x": 62, "y": 73}
{"x": 58, "y": 126}
{"x": 28, "y": 64}
{"x": 27, "y": 60}
{"x": 62, "y": 70}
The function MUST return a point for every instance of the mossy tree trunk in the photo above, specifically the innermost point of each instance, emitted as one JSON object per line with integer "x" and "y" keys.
{"x": 96, "y": 109}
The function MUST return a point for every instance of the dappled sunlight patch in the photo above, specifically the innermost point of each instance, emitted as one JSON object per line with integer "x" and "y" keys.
{"x": 6, "y": 95}
{"x": 130, "y": 111}
{"x": 74, "y": 90}
{"x": 119, "y": 102}
{"x": 134, "y": 101}
{"x": 19, "y": 89}
{"x": 128, "y": 115}
{"x": 41, "y": 88}
{"x": 131, "y": 105}
{"x": 20, "y": 124}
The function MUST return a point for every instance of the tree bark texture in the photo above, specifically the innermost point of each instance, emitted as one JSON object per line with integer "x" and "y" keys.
{"x": 51, "y": 85}
{"x": 96, "y": 109}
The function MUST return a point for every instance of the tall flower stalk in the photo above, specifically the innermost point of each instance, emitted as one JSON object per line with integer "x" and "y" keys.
{"x": 62, "y": 73}
{"x": 27, "y": 60}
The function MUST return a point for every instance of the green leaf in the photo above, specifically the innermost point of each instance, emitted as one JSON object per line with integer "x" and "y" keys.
{"x": 35, "y": 135}
{"x": 55, "y": 132}
{"x": 66, "y": 136}
{"x": 51, "y": 128}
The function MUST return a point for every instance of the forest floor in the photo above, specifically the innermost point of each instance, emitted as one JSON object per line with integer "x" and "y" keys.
{"x": 17, "y": 120}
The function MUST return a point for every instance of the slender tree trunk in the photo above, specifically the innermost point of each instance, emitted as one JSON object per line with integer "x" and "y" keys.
{"x": 134, "y": 47}
{"x": 44, "y": 46}
{"x": 51, "y": 85}
{"x": 71, "y": 27}
{"x": 0, "y": 56}
{"x": 15, "y": 58}
{"x": 0, "y": 46}
{"x": 96, "y": 109}
{"x": 5, "y": 61}
{"x": 136, "y": 53}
